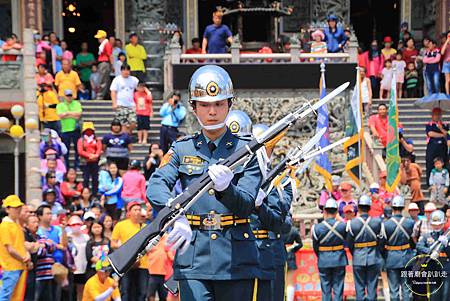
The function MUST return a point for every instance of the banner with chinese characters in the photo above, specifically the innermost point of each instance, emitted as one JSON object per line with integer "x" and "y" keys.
{"x": 32, "y": 14}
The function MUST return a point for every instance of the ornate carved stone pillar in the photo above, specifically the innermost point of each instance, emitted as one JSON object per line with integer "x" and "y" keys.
{"x": 191, "y": 21}
{"x": 405, "y": 11}
{"x": 119, "y": 18}
{"x": 57, "y": 18}
{"x": 32, "y": 159}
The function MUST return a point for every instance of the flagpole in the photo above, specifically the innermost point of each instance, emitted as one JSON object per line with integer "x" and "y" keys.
{"x": 358, "y": 83}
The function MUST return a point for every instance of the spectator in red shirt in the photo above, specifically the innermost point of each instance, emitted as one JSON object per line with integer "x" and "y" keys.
{"x": 377, "y": 208}
{"x": 11, "y": 43}
{"x": 144, "y": 109}
{"x": 105, "y": 63}
{"x": 410, "y": 53}
{"x": 70, "y": 188}
{"x": 90, "y": 148}
{"x": 378, "y": 125}
{"x": 196, "y": 49}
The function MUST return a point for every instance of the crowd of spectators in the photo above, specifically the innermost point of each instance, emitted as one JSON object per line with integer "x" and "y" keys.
{"x": 62, "y": 245}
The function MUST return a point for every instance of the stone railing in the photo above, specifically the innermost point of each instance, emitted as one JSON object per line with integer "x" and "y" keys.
{"x": 11, "y": 71}
{"x": 264, "y": 58}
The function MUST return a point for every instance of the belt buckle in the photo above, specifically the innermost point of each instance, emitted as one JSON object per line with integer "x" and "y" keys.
{"x": 211, "y": 221}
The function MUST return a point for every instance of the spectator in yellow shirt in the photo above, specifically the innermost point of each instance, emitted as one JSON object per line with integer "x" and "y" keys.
{"x": 136, "y": 55}
{"x": 47, "y": 100}
{"x": 14, "y": 258}
{"x": 134, "y": 282}
{"x": 67, "y": 79}
{"x": 101, "y": 287}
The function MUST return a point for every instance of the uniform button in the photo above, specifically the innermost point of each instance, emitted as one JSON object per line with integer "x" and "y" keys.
{"x": 278, "y": 235}
{"x": 246, "y": 235}
{"x": 211, "y": 191}
{"x": 214, "y": 236}
{"x": 189, "y": 170}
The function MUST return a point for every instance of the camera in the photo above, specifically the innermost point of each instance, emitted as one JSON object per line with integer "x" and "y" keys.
{"x": 175, "y": 102}
{"x": 42, "y": 88}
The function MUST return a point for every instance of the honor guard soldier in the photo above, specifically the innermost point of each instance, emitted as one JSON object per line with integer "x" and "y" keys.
{"x": 219, "y": 261}
{"x": 442, "y": 254}
{"x": 398, "y": 248}
{"x": 364, "y": 237}
{"x": 266, "y": 220}
{"x": 328, "y": 243}
{"x": 280, "y": 197}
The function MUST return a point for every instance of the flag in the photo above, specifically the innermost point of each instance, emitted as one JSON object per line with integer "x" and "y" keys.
{"x": 353, "y": 147}
{"x": 392, "y": 148}
{"x": 323, "y": 164}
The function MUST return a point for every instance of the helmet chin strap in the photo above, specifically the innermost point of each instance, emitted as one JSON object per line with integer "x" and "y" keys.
{"x": 211, "y": 127}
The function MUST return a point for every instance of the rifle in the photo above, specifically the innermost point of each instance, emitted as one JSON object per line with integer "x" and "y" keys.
{"x": 300, "y": 155}
{"x": 137, "y": 246}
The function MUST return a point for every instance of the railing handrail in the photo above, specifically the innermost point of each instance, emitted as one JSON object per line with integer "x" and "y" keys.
{"x": 11, "y": 51}
{"x": 286, "y": 56}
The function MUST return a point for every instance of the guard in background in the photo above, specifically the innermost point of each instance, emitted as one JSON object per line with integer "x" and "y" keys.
{"x": 293, "y": 243}
{"x": 220, "y": 260}
{"x": 398, "y": 249}
{"x": 443, "y": 254}
{"x": 365, "y": 240}
{"x": 328, "y": 242}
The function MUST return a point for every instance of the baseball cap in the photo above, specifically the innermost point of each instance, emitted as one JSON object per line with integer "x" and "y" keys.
{"x": 387, "y": 39}
{"x": 100, "y": 34}
{"x": 68, "y": 92}
{"x": 348, "y": 208}
{"x": 132, "y": 204}
{"x": 88, "y": 125}
{"x": 89, "y": 215}
{"x": 12, "y": 201}
{"x": 413, "y": 206}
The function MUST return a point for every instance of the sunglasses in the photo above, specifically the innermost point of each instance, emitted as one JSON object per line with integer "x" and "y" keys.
{"x": 52, "y": 177}
{"x": 345, "y": 190}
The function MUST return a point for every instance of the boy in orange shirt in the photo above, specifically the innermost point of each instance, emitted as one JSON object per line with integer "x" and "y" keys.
{"x": 144, "y": 109}
{"x": 159, "y": 269}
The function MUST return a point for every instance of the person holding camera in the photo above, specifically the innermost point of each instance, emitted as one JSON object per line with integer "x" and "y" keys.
{"x": 152, "y": 160}
{"x": 173, "y": 114}
{"x": 47, "y": 101}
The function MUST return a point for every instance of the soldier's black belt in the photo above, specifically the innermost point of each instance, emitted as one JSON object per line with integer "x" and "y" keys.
{"x": 215, "y": 221}
{"x": 360, "y": 245}
{"x": 331, "y": 248}
{"x": 398, "y": 248}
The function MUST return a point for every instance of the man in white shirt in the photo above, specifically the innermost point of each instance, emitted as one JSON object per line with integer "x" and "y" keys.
{"x": 122, "y": 95}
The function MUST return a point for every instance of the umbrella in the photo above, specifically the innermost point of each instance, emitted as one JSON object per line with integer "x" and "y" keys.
{"x": 435, "y": 100}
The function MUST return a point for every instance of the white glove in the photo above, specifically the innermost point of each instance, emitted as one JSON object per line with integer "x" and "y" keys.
{"x": 443, "y": 240}
{"x": 260, "y": 197}
{"x": 180, "y": 236}
{"x": 221, "y": 176}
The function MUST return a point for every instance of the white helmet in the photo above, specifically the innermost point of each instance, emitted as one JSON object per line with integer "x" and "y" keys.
{"x": 365, "y": 200}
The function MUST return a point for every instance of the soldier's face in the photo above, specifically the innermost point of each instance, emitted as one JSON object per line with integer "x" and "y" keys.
{"x": 212, "y": 113}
